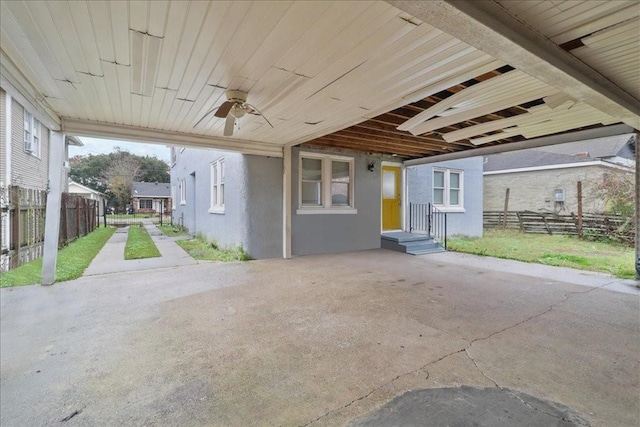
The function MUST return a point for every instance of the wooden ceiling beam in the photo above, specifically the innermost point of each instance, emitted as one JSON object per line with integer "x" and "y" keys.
{"x": 395, "y": 142}
{"x": 329, "y": 142}
{"x": 365, "y": 145}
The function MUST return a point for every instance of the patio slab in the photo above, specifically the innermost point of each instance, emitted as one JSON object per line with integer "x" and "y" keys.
{"x": 316, "y": 340}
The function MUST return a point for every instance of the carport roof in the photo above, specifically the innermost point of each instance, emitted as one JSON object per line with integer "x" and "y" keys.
{"x": 412, "y": 79}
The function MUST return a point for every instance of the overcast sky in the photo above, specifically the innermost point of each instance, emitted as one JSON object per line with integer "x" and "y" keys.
{"x": 105, "y": 146}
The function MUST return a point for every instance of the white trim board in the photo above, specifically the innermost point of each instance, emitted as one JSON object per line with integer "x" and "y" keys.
{"x": 137, "y": 134}
{"x": 559, "y": 166}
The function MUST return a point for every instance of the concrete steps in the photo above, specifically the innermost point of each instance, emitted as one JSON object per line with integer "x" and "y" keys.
{"x": 412, "y": 244}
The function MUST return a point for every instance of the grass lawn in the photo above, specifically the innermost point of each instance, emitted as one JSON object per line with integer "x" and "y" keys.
{"x": 139, "y": 244}
{"x": 201, "y": 249}
{"x": 72, "y": 261}
{"x": 172, "y": 230}
{"x": 563, "y": 251}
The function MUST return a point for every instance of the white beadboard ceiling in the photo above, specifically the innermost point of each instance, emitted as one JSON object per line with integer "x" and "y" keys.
{"x": 312, "y": 67}
{"x": 609, "y": 32}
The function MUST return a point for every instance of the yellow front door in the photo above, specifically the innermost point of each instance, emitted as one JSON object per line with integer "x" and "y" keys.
{"x": 390, "y": 198}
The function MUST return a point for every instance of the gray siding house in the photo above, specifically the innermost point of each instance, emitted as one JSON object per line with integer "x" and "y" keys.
{"x": 24, "y": 181}
{"x": 151, "y": 197}
{"x": 337, "y": 199}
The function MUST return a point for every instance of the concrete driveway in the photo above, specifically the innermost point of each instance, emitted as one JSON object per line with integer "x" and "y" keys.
{"x": 317, "y": 340}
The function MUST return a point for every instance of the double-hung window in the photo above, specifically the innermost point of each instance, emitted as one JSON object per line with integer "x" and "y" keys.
{"x": 447, "y": 190}
{"x": 326, "y": 184}
{"x": 31, "y": 134}
{"x": 216, "y": 204}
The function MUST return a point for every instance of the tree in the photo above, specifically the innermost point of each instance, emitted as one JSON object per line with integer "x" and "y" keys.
{"x": 104, "y": 173}
{"x": 153, "y": 169}
{"x": 122, "y": 171}
{"x": 617, "y": 189}
{"x": 89, "y": 171}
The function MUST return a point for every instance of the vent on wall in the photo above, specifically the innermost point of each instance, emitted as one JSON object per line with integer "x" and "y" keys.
{"x": 145, "y": 54}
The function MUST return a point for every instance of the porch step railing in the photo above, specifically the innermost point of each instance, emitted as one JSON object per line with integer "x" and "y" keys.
{"x": 426, "y": 218}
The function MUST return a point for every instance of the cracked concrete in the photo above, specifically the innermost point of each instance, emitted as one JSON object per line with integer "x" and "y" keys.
{"x": 319, "y": 340}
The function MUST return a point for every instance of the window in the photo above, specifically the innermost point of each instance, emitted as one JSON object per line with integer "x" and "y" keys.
{"x": 183, "y": 192}
{"x": 145, "y": 204}
{"x": 326, "y": 184}
{"x": 31, "y": 134}
{"x": 173, "y": 197}
{"x": 216, "y": 204}
{"x": 447, "y": 189}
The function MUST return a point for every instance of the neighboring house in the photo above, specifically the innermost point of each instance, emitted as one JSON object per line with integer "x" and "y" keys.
{"x": 337, "y": 199}
{"x": 88, "y": 193}
{"x": 151, "y": 197}
{"x": 546, "y": 178}
{"x": 24, "y": 178}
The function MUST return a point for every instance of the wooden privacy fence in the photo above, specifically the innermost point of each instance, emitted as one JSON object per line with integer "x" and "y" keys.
{"x": 22, "y": 232}
{"x": 78, "y": 217}
{"x": 589, "y": 224}
{"x": 23, "y": 222}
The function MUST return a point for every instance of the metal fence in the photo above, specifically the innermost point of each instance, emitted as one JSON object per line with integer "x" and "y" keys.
{"x": 113, "y": 219}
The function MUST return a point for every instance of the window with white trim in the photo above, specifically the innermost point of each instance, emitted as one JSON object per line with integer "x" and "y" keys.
{"x": 447, "y": 189}
{"x": 32, "y": 131}
{"x": 326, "y": 184}
{"x": 173, "y": 197}
{"x": 183, "y": 192}
{"x": 145, "y": 204}
{"x": 216, "y": 204}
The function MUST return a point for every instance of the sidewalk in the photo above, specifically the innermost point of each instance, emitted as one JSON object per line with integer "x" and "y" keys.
{"x": 111, "y": 258}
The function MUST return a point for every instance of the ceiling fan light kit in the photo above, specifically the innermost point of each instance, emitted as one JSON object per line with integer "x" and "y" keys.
{"x": 235, "y": 107}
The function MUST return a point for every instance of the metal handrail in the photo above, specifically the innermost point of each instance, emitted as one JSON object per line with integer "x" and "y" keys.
{"x": 426, "y": 218}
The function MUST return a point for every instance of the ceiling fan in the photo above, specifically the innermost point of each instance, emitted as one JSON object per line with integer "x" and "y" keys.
{"x": 235, "y": 107}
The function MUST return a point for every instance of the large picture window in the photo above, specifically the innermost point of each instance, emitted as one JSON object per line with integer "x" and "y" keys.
{"x": 447, "y": 189}
{"x": 326, "y": 184}
{"x": 145, "y": 204}
{"x": 216, "y": 204}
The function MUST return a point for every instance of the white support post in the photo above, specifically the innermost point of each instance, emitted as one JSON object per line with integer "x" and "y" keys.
{"x": 54, "y": 199}
{"x": 286, "y": 202}
{"x": 637, "y": 193}
{"x": 405, "y": 197}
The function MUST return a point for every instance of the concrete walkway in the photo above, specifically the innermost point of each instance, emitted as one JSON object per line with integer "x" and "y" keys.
{"x": 320, "y": 340}
{"x": 111, "y": 258}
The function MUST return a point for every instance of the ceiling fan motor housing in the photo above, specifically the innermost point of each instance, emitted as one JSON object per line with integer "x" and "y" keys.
{"x": 236, "y": 96}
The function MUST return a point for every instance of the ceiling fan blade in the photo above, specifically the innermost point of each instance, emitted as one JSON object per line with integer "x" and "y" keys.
{"x": 223, "y": 110}
{"x": 259, "y": 112}
{"x": 204, "y": 117}
{"x": 229, "y": 124}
